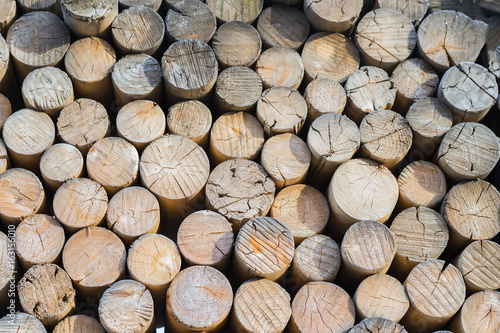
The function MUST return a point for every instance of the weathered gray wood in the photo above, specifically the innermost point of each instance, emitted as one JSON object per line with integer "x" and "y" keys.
{"x": 415, "y": 10}
{"x": 190, "y": 19}
{"x": 90, "y": 18}
{"x": 334, "y": 16}
{"x": 235, "y": 10}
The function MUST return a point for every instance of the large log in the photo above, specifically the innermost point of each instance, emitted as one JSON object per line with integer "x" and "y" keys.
{"x": 191, "y": 119}
{"x": 280, "y": 66}
{"x": 323, "y": 96}
{"x": 334, "y": 16}
{"x": 90, "y": 18}
{"x": 190, "y": 19}
{"x": 60, "y": 163}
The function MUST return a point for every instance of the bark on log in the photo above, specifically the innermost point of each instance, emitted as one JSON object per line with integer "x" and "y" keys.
{"x": 380, "y": 325}
{"x": 191, "y": 119}
{"x": 280, "y": 66}
{"x": 234, "y": 10}
{"x": 7, "y": 15}
{"x": 4, "y": 158}
{"x": 415, "y": 10}
{"x": 336, "y": 16}
{"x": 79, "y": 324}
{"x": 21, "y": 323}
{"x": 324, "y": 96}
{"x": 60, "y": 163}
{"x": 190, "y": 19}
{"x": 90, "y": 18}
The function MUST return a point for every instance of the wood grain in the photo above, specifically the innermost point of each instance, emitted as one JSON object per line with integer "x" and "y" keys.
{"x": 21, "y": 323}
{"x": 334, "y": 16}
{"x": 233, "y": 10}
{"x": 60, "y": 163}
{"x": 323, "y": 96}
{"x": 191, "y": 119}
{"x": 78, "y": 324}
{"x": 280, "y": 66}
{"x": 90, "y": 18}
{"x": 415, "y": 10}
{"x": 190, "y": 19}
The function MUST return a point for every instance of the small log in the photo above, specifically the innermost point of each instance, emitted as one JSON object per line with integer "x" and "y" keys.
{"x": 380, "y": 325}
{"x": 90, "y": 18}
{"x": 469, "y": 90}
{"x": 333, "y": 309}
{"x": 199, "y": 300}
{"x": 46, "y": 292}
{"x": 206, "y": 238}
{"x": 260, "y": 306}
{"x": 99, "y": 55}
{"x": 4, "y": 158}
{"x": 436, "y": 292}
{"x": 39, "y": 240}
{"x": 138, "y": 29}
{"x": 446, "y": 38}
{"x": 140, "y": 122}
{"x": 21, "y": 195}
{"x": 368, "y": 89}
{"x": 283, "y": 26}
{"x": 338, "y": 16}
{"x": 78, "y": 324}
{"x": 240, "y": 190}
{"x": 53, "y": 6}
{"x": 47, "y": 89}
{"x": 133, "y": 212}
{"x": 36, "y": 40}
{"x": 82, "y": 123}
{"x": 280, "y": 66}
{"x": 468, "y": 151}
{"x": 227, "y": 11}
{"x": 190, "y": 19}
{"x": 7, "y": 15}
{"x": 302, "y": 209}
{"x": 21, "y": 322}
{"x": 329, "y": 55}
{"x": 490, "y": 58}
{"x": 137, "y": 76}
{"x": 381, "y": 296}
{"x": 8, "y": 80}
{"x": 324, "y": 96}
{"x": 235, "y": 135}
{"x": 127, "y": 306}
{"x": 415, "y": 10}
{"x": 155, "y": 4}
{"x": 60, "y": 163}
{"x": 191, "y": 119}
{"x": 264, "y": 248}
{"x": 9, "y": 267}
{"x": 80, "y": 203}
{"x": 5, "y": 110}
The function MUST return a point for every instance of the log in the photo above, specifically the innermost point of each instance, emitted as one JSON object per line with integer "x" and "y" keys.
{"x": 199, "y": 300}
{"x": 283, "y": 26}
{"x": 236, "y": 44}
{"x": 446, "y": 38}
{"x": 140, "y": 122}
{"x": 329, "y": 55}
{"x": 490, "y": 58}
{"x": 368, "y": 89}
{"x": 39, "y": 240}
{"x": 4, "y": 158}
{"x": 378, "y": 325}
{"x": 206, "y": 238}
{"x": 333, "y": 309}
{"x": 133, "y": 212}
{"x": 381, "y": 296}
{"x": 138, "y": 29}
{"x": 5, "y": 110}
{"x": 469, "y": 90}
{"x": 21, "y": 322}
{"x": 280, "y": 66}
{"x": 127, "y": 306}
{"x": 60, "y": 163}
{"x": 52, "y": 6}
{"x": 302, "y": 209}
{"x": 7, "y": 15}
{"x": 191, "y": 119}
{"x": 235, "y": 135}
{"x": 264, "y": 248}
{"x": 415, "y": 10}
{"x": 239, "y": 190}
{"x": 260, "y": 306}
{"x": 36, "y": 40}
{"x": 436, "y": 292}
{"x": 468, "y": 151}
{"x": 137, "y": 76}
{"x": 227, "y": 11}
{"x": 78, "y": 324}
{"x": 80, "y": 203}
{"x": 95, "y": 53}
{"x": 9, "y": 268}
{"x": 190, "y": 19}
{"x": 90, "y": 18}
{"x": 82, "y": 123}
{"x": 324, "y": 96}
{"x": 46, "y": 292}
{"x": 47, "y": 89}
{"x": 8, "y": 80}
{"x": 337, "y": 16}
{"x": 21, "y": 196}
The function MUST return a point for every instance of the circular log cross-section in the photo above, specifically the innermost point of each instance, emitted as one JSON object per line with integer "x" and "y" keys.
{"x": 8, "y": 268}
{"x": 79, "y": 324}
{"x": 90, "y": 17}
{"x": 334, "y": 16}
{"x": 7, "y": 15}
{"x": 280, "y": 66}
{"x": 60, "y": 163}
{"x": 21, "y": 323}
{"x": 191, "y": 119}
{"x": 415, "y": 10}
{"x": 190, "y": 19}
{"x": 380, "y": 325}
{"x": 234, "y": 10}
{"x": 323, "y": 96}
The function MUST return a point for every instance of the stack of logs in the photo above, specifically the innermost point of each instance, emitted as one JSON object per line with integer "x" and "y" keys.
{"x": 241, "y": 166}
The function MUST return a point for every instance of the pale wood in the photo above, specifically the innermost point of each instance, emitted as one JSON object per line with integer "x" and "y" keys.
{"x": 78, "y": 324}
{"x": 155, "y": 4}
{"x": 4, "y": 158}
{"x": 60, "y": 163}
{"x": 333, "y": 309}
{"x": 138, "y": 29}
{"x": 82, "y": 123}
{"x": 283, "y": 26}
{"x": 206, "y": 238}
{"x": 7, "y": 15}
{"x": 469, "y": 90}
{"x": 421, "y": 234}
{"x": 336, "y": 16}
{"x": 446, "y": 38}
{"x": 191, "y": 119}
{"x": 234, "y": 10}
{"x": 175, "y": 170}
{"x": 280, "y": 66}
{"x": 90, "y": 18}
{"x": 80, "y": 203}
{"x": 5, "y": 109}
{"x": 8, "y": 79}
{"x": 39, "y": 240}
{"x": 235, "y": 135}
{"x": 127, "y": 306}
{"x": 329, "y": 55}
{"x": 491, "y": 54}
{"x": 133, "y": 212}
{"x": 21, "y": 195}
{"x": 9, "y": 268}
{"x": 380, "y": 325}
{"x": 199, "y": 300}
{"x": 415, "y": 10}
{"x": 46, "y": 292}
{"x": 260, "y": 306}
{"x": 479, "y": 264}
{"x": 386, "y": 137}
{"x": 381, "y": 296}
{"x": 368, "y": 89}
{"x": 53, "y": 6}
{"x": 236, "y": 44}
{"x": 471, "y": 8}
{"x": 324, "y": 95}
{"x": 21, "y": 322}
{"x": 36, "y": 40}
{"x": 190, "y": 19}
{"x": 240, "y": 190}
{"x": 468, "y": 151}
{"x": 436, "y": 292}
{"x": 137, "y": 76}
{"x": 89, "y": 63}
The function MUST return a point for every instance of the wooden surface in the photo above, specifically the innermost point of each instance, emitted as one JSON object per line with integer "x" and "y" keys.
{"x": 8, "y": 80}
{"x": 336, "y": 16}
{"x": 324, "y": 95}
{"x": 190, "y": 19}
{"x": 4, "y": 158}
{"x": 8, "y": 11}
{"x": 191, "y": 119}
{"x": 234, "y": 10}
{"x": 415, "y": 10}
{"x": 5, "y": 109}
{"x": 490, "y": 58}
{"x": 60, "y": 163}
{"x": 53, "y": 6}
{"x": 8, "y": 269}
{"x": 378, "y": 325}
{"x": 238, "y": 88}
{"x": 78, "y": 324}
{"x": 90, "y": 18}
{"x": 280, "y": 66}
{"x": 22, "y": 323}
{"x": 155, "y": 4}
